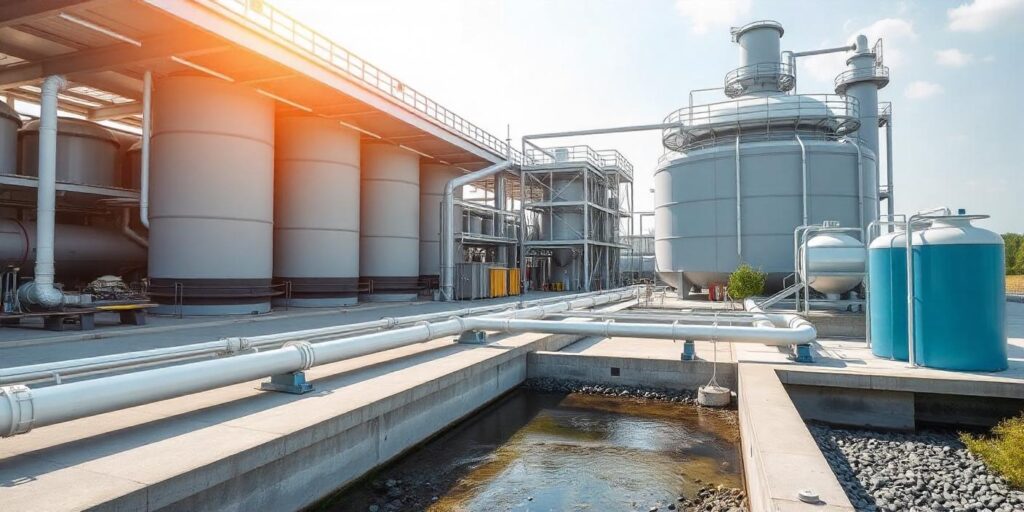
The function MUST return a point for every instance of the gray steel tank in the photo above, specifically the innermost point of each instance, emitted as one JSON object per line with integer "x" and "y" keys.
{"x": 433, "y": 179}
{"x": 731, "y": 188}
{"x": 563, "y": 224}
{"x": 316, "y": 211}
{"x": 10, "y": 122}
{"x": 389, "y": 236}
{"x": 211, "y": 197}
{"x": 81, "y": 253}
{"x": 87, "y": 153}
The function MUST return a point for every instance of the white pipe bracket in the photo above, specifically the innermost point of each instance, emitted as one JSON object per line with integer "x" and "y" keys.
{"x": 306, "y": 352}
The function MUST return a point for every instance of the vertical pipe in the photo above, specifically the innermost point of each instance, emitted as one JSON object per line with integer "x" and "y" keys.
{"x": 890, "y": 205}
{"x": 909, "y": 245}
{"x": 803, "y": 174}
{"x": 739, "y": 213}
{"x": 498, "y": 228}
{"x": 860, "y": 183}
{"x": 586, "y": 230}
{"x": 147, "y": 124}
{"x": 41, "y": 291}
{"x": 522, "y": 227}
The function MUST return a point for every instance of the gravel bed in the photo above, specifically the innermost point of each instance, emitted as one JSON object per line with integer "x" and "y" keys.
{"x": 552, "y": 385}
{"x": 896, "y": 471}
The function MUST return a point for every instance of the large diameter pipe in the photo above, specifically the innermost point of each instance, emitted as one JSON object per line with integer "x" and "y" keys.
{"x": 40, "y": 291}
{"x": 59, "y": 370}
{"x": 448, "y": 224}
{"x": 803, "y": 174}
{"x": 22, "y": 409}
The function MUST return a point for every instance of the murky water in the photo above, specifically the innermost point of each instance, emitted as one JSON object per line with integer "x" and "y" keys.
{"x": 536, "y": 451}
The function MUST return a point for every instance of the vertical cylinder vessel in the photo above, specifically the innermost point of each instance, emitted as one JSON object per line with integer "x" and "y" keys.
{"x": 389, "y": 236}
{"x": 212, "y": 197}
{"x": 316, "y": 211}
{"x": 433, "y": 179}
{"x": 10, "y": 122}
{"x": 87, "y": 153}
{"x": 887, "y": 286}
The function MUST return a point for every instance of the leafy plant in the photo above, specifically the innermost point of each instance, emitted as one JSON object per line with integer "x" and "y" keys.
{"x": 1003, "y": 451}
{"x": 746, "y": 281}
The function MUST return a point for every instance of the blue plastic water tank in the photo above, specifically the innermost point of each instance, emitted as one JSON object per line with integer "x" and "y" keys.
{"x": 959, "y": 297}
{"x": 887, "y": 286}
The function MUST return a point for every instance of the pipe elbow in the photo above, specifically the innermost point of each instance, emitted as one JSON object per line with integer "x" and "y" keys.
{"x": 53, "y": 83}
{"x": 42, "y": 295}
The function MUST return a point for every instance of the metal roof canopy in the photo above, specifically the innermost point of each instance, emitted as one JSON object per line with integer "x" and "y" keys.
{"x": 103, "y": 47}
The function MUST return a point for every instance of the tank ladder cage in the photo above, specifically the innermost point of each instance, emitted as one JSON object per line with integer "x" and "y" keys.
{"x": 922, "y": 218}
{"x": 875, "y": 225}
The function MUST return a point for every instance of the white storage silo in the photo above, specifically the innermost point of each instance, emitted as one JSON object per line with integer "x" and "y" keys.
{"x": 211, "y": 197}
{"x": 389, "y": 234}
{"x": 316, "y": 211}
{"x": 433, "y": 179}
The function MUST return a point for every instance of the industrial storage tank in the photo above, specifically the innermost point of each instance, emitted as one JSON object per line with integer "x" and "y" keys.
{"x": 887, "y": 289}
{"x": 81, "y": 253}
{"x": 741, "y": 174}
{"x": 959, "y": 296}
{"x": 10, "y": 122}
{"x": 211, "y": 197}
{"x": 316, "y": 211}
{"x": 433, "y": 179}
{"x": 389, "y": 235}
{"x": 564, "y": 224}
{"x": 835, "y": 263}
{"x": 87, "y": 153}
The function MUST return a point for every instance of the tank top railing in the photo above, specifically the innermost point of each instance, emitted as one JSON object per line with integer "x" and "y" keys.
{"x": 831, "y": 114}
{"x": 277, "y": 25}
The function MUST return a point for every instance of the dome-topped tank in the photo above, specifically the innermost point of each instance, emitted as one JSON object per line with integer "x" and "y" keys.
{"x": 959, "y": 296}
{"x": 741, "y": 174}
{"x": 10, "y": 122}
{"x": 87, "y": 153}
{"x": 835, "y": 262}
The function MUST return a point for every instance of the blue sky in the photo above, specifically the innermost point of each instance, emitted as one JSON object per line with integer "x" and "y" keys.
{"x": 545, "y": 65}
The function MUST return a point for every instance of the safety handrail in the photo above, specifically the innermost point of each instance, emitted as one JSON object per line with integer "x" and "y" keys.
{"x": 275, "y": 23}
{"x": 782, "y": 73}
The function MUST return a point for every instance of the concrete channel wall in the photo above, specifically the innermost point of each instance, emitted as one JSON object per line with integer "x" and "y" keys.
{"x": 627, "y": 371}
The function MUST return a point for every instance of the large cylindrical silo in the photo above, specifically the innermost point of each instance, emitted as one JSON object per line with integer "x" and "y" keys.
{"x": 87, "y": 153}
{"x": 211, "y": 197}
{"x": 10, "y": 122}
{"x": 389, "y": 236}
{"x": 316, "y": 211}
{"x": 433, "y": 179}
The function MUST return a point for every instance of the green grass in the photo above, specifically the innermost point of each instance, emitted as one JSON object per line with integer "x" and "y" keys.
{"x": 1003, "y": 451}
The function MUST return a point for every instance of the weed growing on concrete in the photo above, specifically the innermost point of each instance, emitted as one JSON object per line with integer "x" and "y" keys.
{"x": 1003, "y": 451}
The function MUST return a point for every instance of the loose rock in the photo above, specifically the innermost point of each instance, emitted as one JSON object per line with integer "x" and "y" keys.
{"x": 916, "y": 472}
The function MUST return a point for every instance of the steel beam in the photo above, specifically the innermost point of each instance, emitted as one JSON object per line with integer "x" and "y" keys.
{"x": 15, "y": 12}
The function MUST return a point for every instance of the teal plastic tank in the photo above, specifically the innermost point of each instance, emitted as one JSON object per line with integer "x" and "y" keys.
{"x": 887, "y": 286}
{"x": 959, "y": 297}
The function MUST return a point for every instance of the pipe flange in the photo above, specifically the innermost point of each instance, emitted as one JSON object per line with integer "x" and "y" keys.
{"x": 607, "y": 327}
{"x": 430, "y": 328}
{"x": 392, "y": 322}
{"x": 306, "y": 352}
{"x": 19, "y": 399}
{"x": 234, "y": 345}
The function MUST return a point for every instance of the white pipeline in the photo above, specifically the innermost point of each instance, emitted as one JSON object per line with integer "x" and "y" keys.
{"x": 40, "y": 291}
{"x": 61, "y": 370}
{"x": 22, "y": 409}
{"x": 147, "y": 126}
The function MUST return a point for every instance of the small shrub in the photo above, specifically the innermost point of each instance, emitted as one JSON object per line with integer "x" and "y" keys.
{"x": 746, "y": 281}
{"x": 1003, "y": 451}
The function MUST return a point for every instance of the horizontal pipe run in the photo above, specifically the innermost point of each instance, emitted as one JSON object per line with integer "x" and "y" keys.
{"x": 765, "y": 335}
{"x": 60, "y": 370}
{"x": 22, "y": 409}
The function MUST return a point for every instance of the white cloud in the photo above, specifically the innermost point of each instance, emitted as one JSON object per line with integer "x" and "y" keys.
{"x": 707, "y": 14}
{"x": 953, "y": 58}
{"x": 921, "y": 90}
{"x": 896, "y": 33}
{"x": 982, "y": 15}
